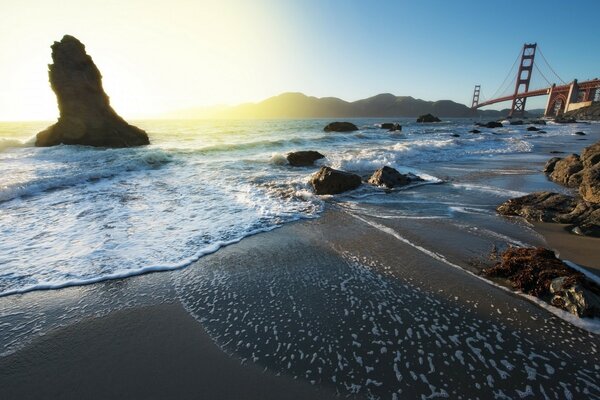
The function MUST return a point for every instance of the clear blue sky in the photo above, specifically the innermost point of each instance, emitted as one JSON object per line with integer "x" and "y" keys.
{"x": 162, "y": 55}
{"x": 439, "y": 49}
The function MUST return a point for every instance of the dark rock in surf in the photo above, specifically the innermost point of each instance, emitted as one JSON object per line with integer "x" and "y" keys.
{"x": 427, "y": 118}
{"x": 390, "y": 177}
{"x": 454, "y": 135}
{"x": 303, "y": 158}
{"x": 580, "y": 133}
{"x": 332, "y": 181}
{"x": 537, "y": 122}
{"x": 492, "y": 124}
{"x": 532, "y": 129}
{"x": 474, "y": 131}
{"x": 86, "y": 117}
{"x": 340, "y": 127}
{"x": 517, "y": 122}
{"x": 537, "y": 272}
{"x": 392, "y": 127}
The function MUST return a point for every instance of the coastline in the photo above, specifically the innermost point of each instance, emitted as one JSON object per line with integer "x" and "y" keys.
{"x": 292, "y": 272}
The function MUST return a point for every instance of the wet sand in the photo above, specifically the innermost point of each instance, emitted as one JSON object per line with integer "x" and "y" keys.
{"x": 155, "y": 352}
{"x": 583, "y": 250}
{"x": 342, "y": 304}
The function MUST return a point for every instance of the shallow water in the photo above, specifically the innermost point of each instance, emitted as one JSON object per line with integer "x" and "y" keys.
{"x": 71, "y": 214}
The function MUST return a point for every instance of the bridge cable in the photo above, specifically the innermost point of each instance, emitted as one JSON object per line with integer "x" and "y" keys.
{"x": 507, "y": 76}
{"x": 549, "y": 66}
{"x": 542, "y": 74}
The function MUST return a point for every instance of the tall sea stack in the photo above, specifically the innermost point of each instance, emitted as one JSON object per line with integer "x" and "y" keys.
{"x": 86, "y": 117}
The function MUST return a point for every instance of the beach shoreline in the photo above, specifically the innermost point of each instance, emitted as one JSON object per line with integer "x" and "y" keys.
{"x": 162, "y": 344}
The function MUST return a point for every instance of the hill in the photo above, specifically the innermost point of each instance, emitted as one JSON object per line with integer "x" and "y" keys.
{"x": 299, "y": 105}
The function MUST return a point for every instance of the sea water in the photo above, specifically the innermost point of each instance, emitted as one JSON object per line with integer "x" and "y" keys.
{"x": 72, "y": 215}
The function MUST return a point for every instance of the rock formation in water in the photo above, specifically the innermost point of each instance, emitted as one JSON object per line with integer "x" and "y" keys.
{"x": 428, "y": 118}
{"x": 340, "y": 127}
{"x": 582, "y": 216}
{"x": 390, "y": 177}
{"x": 391, "y": 126}
{"x": 303, "y": 158}
{"x": 86, "y": 117}
{"x": 332, "y": 181}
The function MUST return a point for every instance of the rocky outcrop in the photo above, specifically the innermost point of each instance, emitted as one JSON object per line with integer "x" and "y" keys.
{"x": 563, "y": 119}
{"x": 428, "y": 118}
{"x": 340, "y": 127}
{"x": 332, "y": 181}
{"x": 590, "y": 184}
{"x": 590, "y": 113}
{"x": 491, "y": 124}
{"x": 583, "y": 217}
{"x": 537, "y": 272}
{"x": 86, "y": 117}
{"x": 303, "y": 158}
{"x": 582, "y": 172}
{"x": 549, "y": 167}
{"x": 391, "y": 126}
{"x": 567, "y": 170}
{"x": 390, "y": 177}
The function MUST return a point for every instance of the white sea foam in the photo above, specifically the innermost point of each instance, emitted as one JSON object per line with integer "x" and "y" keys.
{"x": 75, "y": 214}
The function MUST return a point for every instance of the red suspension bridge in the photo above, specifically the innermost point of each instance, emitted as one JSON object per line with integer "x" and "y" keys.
{"x": 561, "y": 97}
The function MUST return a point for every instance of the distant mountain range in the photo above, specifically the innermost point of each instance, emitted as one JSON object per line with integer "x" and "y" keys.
{"x": 298, "y": 105}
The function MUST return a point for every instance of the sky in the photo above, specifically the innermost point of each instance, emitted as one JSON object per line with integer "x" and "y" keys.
{"x": 158, "y": 56}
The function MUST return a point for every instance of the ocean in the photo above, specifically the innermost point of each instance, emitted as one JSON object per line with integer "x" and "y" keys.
{"x": 72, "y": 215}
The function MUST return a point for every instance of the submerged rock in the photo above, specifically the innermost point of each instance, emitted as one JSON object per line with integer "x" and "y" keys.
{"x": 86, "y": 117}
{"x": 474, "y": 131}
{"x": 428, "y": 118}
{"x": 340, "y": 127}
{"x": 392, "y": 127}
{"x": 303, "y": 158}
{"x": 537, "y": 271}
{"x": 583, "y": 216}
{"x": 517, "y": 122}
{"x": 537, "y": 122}
{"x": 390, "y": 177}
{"x": 332, "y": 181}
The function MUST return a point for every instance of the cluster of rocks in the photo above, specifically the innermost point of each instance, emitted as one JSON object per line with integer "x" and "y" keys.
{"x": 332, "y": 181}
{"x": 537, "y": 272}
{"x": 86, "y": 117}
{"x": 343, "y": 126}
{"x": 582, "y": 211}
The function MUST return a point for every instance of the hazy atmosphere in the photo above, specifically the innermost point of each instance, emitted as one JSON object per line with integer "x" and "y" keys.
{"x": 234, "y": 51}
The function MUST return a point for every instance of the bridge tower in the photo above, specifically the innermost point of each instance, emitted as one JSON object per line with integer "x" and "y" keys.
{"x": 523, "y": 79}
{"x": 475, "y": 101}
